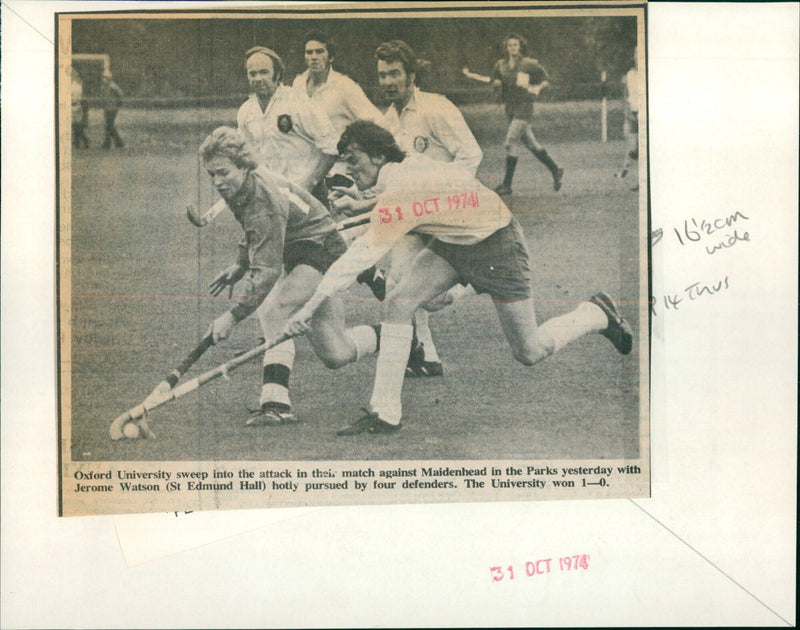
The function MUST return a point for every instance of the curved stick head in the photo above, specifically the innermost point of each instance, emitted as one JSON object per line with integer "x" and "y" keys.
{"x": 116, "y": 427}
{"x": 194, "y": 216}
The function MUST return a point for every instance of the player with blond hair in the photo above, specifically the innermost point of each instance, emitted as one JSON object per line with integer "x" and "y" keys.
{"x": 289, "y": 241}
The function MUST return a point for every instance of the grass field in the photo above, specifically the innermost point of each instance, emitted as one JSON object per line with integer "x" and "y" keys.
{"x": 139, "y": 272}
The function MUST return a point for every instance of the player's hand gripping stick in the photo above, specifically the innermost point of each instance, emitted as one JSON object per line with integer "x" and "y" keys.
{"x": 138, "y": 413}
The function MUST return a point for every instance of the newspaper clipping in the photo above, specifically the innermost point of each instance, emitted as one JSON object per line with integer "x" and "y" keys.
{"x": 352, "y": 254}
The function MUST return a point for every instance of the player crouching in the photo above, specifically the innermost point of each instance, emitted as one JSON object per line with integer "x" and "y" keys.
{"x": 285, "y": 228}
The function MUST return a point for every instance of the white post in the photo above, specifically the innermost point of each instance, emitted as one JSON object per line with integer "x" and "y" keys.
{"x": 603, "y": 109}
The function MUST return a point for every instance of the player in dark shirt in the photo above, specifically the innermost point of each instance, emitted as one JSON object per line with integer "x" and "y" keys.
{"x": 519, "y": 80}
{"x": 285, "y": 230}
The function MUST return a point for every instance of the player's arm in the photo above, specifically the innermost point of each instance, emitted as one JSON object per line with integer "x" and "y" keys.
{"x": 315, "y": 125}
{"x": 538, "y": 78}
{"x": 117, "y": 92}
{"x": 535, "y": 89}
{"x": 323, "y": 166}
{"x": 231, "y": 275}
{"x": 364, "y": 252}
{"x": 360, "y": 107}
{"x": 475, "y": 76}
{"x": 265, "y": 241}
{"x": 265, "y": 255}
{"x": 452, "y": 130}
{"x": 497, "y": 78}
{"x": 348, "y": 202}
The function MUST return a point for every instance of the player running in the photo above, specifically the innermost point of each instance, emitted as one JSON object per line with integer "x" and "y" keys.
{"x": 285, "y": 228}
{"x": 519, "y": 79}
{"x": 472, "y": 238}
{"x": 295, "y": 138}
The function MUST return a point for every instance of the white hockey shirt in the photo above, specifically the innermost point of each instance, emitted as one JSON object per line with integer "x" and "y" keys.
{"x": 341, "y": 98}
{"x": 291, "y": 135}
{"x": 445, "y": 202}
{"x": 430, "y": 125}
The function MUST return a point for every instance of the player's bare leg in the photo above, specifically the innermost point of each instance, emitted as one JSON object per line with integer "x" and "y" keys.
{"x": 428, "y": 277}
{"x": 334, "y": 343}
{"x": 531, "y": 343}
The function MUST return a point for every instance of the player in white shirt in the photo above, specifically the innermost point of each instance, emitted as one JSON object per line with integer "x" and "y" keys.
{"x": 423, "y": 122}
{"x": 472, "y": 238}
{"x": 341, "y": 98}
{"x": 293, "y": 136}
{"x": 431, "y": 126}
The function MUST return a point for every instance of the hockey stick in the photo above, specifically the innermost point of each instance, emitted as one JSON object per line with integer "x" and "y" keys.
{"x": 209, "y": 215}
{"x": 171, "y": 379}
{"x": 205, "y": 343}
{"x": 351, "y": 224}
{"x": 139, "y": 412}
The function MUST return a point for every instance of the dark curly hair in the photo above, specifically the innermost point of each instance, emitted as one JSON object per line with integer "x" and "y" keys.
{"x": 372, "y": 139}
{"x": 322, "y": 38}
{"x": 523, "y": 43}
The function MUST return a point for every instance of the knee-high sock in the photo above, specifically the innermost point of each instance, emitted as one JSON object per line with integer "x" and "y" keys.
{"x": 278, "y": 363}
{"x": 390, "y": 370}
{"x": 424, "y": 335}
{"x": 544, "y": 157}
{"x": 511, "y": 166}
{"x": 365, "y": 339}
{"x": 557, "y": 332}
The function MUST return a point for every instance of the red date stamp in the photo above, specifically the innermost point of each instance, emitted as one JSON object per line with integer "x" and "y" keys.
{"x": 430, "y": 206}
{"x": 578, "y": 562}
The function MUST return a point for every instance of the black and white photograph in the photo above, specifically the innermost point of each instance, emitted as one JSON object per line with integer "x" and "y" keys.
{"x": 547, "y": 379}
{"x": 352, "y": 255}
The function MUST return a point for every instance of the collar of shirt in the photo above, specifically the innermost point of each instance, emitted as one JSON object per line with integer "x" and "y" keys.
{"x": 330, "y": 83}
{"x": 412, "y": 102}
{"x": 411, "y": 106}
{"x": 277, "y": 95}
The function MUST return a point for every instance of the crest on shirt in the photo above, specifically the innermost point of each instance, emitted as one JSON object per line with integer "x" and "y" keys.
{"x": 285, "y": 123}
{"x": 421, "y": 144}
